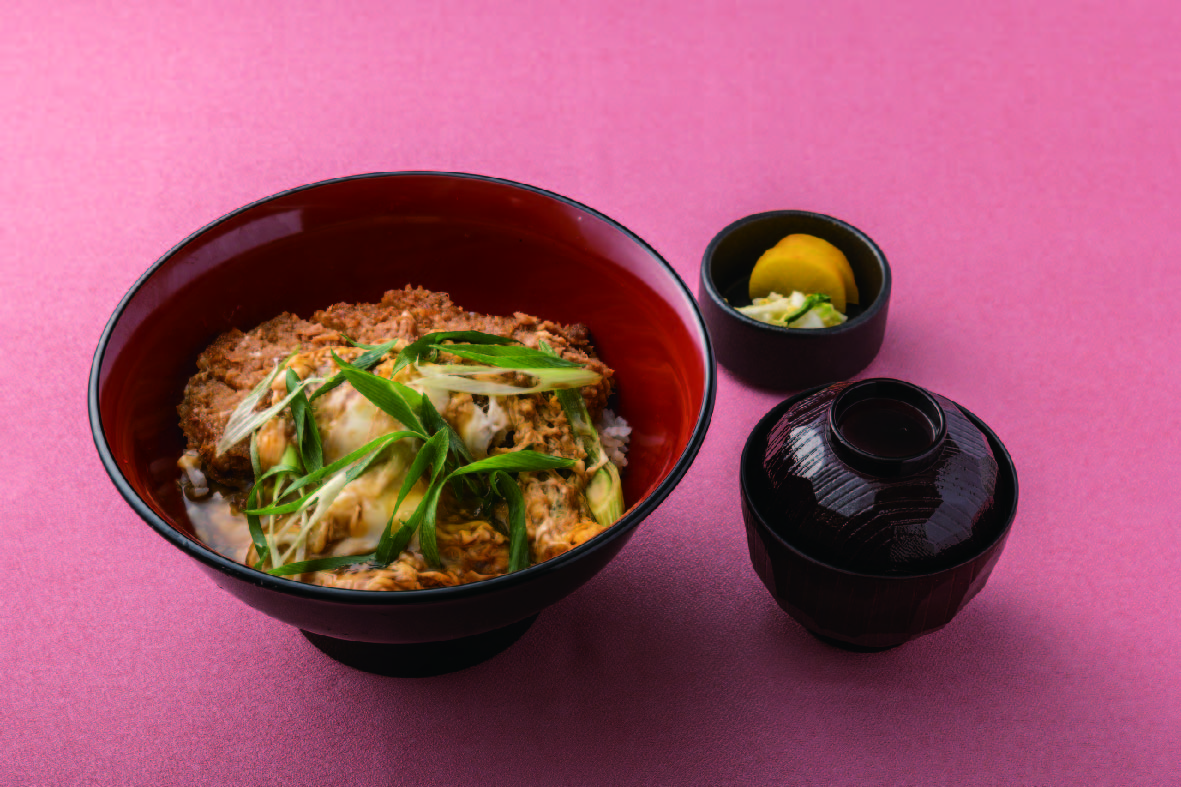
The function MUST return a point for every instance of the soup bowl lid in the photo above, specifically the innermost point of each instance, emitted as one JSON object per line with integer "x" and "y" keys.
{"x": 878, "y": 477}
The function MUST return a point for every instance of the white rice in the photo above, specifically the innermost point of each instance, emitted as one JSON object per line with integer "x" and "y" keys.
{"x": 615, "y": 434}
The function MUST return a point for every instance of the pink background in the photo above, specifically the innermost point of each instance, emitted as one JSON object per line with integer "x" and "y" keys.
{"x": 1017, "y": 162}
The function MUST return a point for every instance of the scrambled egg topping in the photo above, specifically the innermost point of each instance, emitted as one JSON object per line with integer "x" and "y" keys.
{"x": 471, "y": 541}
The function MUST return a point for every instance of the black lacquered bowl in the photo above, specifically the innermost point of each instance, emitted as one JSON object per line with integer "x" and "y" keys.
{"x": 864, "y": 546}
{"x": 772, "y": 356}
{"x": 497, "y": 247}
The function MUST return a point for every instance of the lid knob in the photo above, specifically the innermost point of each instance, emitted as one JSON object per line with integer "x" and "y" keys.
{"x": 886, "y": 428}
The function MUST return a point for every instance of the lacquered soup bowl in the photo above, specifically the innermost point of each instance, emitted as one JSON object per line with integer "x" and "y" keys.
{"x": 870, "y": 551}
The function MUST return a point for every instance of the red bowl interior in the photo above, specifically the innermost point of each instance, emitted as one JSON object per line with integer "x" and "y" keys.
{"x": 496, "y": 247}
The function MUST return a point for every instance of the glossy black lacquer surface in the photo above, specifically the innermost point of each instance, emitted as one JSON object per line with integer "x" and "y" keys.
{"x": 862, "y": 520}
{"x": 496, "y": 247}
{"x": 420, "y": 659}
{"x": 771, "y": 356}
{"x": 886, "y": 428}
{"x": 865, "y": 560}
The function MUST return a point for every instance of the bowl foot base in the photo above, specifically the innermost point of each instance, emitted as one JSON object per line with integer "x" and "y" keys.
{"x": 836, "y": 643}
{"x": 420, "y": 659}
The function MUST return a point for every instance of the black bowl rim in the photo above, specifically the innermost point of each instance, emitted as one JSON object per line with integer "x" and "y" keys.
{"x": 1004, "y": 465}
{"x": 196, "y": 550}
{"x": 870, "y": 311}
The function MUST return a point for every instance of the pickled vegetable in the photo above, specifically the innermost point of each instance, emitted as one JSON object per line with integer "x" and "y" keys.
{"x": 805, "y": 263}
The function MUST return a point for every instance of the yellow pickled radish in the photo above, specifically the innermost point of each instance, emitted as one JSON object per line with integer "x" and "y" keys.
{"x": 811, "y": 246}
{"x": 788, "y": 272}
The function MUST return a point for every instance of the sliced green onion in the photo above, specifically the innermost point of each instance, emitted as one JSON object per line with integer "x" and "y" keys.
{"x": 253, "y": 524}
{"x": 507, "y": 356}
{"x": 432, "y": 455}
{"x": 373, "y": 445}
{"x": 362, "y": 467}
{"x": 574, "y": 406}
{"x": 459, "y": 453}
{"x": 255, "y": 527}
{"x": 307, "y": 435}
{"x": 414, "y": 351}
{"x": 444, "y": 452}
{"x": 435, "y": 423}
{"x": 244, "y": 412}
{"x": 375, "y": 348}
{"x": 426, "y": 536}
{"x": 319, "y": 564}
{"x": 368, "y": 360}
{"x": 365, "y": 361}
{"x": 457, "y": 377}
{"x": 243, "y": 427}
{"x": 384, "y": 394}
{"x": 604, "y": 493}
{"x": 393, "y": 543}
{"x": 507, "y": 487}
{"x": 371, "y": 448}
{"x": 332, "y": 383}
{"x": 428, "y": 456}
{"x": 516, "y": 462}
{"x": 255, "y": 459}
{"x": 324, "y": 497}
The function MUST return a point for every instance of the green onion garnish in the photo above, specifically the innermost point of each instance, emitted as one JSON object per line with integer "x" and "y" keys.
{"x": 518, "y": 535}
{"x": 302, "y": 481}
{"x": 287, "y": 465}
{"x": 604, "y": 493}
{"x": 371, "y": 449}
{"x": 427, "y": 345}
{"x": 506, "y": 356}
{"x": 243, "y": 420}
{"x": 383, "y": 393}
{"x": 457, "y": 377}
{"x": 307, "y": 436}
{"x": 365, "y": 362}
{"x": 319, "y": 564}
{"x": 432, "y": 454}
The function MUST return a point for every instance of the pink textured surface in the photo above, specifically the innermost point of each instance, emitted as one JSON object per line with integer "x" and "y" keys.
{"x": 1019, "y": 165}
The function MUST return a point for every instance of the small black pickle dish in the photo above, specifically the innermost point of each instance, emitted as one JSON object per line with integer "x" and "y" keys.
{"x": 874, "y": 510}
{"x": 772, "y": 356}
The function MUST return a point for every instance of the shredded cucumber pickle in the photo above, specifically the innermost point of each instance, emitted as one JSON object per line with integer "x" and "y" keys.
{"x": 795, "y": 311}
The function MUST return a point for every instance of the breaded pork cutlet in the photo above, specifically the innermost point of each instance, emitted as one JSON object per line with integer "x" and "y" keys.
{"x": 237, "y": 360}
